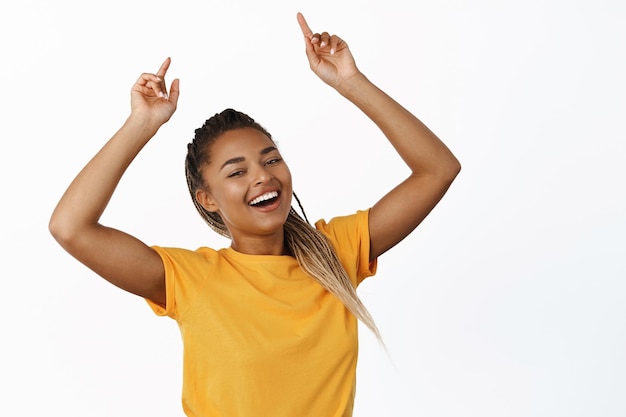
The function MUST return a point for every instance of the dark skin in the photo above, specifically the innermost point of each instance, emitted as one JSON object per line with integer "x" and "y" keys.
{"x": 131, "y": 265}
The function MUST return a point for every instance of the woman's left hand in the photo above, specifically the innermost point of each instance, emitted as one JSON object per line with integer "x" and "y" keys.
{"x": 329, "y": 56}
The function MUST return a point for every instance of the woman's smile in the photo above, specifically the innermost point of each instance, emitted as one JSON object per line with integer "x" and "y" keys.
{"x": 268, "y": 201}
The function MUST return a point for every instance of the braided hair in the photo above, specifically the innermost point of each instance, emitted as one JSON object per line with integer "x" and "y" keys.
{"x": 308, "y": 245}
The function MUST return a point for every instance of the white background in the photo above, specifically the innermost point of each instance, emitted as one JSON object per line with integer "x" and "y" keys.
{"x": 509, "y": 300}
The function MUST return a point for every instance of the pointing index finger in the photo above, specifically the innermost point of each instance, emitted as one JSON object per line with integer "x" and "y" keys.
{"x": 164, "y": 66}
{"x": 306, "y": 30}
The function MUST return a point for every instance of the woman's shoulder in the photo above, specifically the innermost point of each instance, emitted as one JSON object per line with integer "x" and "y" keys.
{"x": 340, "y": 225}
{"x": 201, "y": 254}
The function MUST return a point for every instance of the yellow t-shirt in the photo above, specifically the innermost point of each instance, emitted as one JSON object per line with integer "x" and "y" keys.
{"x": 262, "y": 338}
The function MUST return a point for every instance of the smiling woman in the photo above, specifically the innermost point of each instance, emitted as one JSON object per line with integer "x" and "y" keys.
{"x": 269, "y": 324}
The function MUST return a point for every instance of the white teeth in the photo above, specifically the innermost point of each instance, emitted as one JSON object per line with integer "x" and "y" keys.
{"x": 266, "y": 196}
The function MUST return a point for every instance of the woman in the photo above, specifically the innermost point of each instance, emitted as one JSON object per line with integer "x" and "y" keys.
{"x": 269, "y": 324}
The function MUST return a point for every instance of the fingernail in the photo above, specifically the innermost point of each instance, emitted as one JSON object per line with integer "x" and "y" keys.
{"x": 332, "y": 51}
{"x": 323, "y": 44}
{"x": 161, "y": 94}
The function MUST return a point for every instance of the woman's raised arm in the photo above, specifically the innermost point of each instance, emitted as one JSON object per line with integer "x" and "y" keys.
{"x": 118, "y": 257}
{"x": 433, "y": 167}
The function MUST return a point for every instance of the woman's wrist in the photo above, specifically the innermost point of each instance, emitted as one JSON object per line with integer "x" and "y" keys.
{"x": 142, "y": 125}
{"x": 353, "y": 86}
{"x": 135, "y": 133}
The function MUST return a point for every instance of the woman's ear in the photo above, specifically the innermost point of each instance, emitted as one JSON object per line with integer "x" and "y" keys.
{"x": 206, "y": 201}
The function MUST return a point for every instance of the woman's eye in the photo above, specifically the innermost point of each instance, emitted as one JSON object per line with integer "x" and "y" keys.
{"x": 235, "y": 174}
{"x": 273, "y": 161}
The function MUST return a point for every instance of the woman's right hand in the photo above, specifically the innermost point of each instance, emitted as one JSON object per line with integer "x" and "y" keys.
{"x": 149, "y": 98}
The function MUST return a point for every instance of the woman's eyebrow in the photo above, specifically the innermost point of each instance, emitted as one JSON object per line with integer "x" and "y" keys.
{"x": 233, "y": 161}
{"x": 239, "y": 159}
{"x": 268, "y": 150}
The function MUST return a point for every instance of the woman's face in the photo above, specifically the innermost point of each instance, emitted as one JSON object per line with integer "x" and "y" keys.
{"x": 248, "y": 183}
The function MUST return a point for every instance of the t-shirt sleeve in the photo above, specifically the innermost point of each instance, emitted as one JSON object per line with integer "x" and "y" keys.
{"x": 185, "y": 272}
{"x": 350, "y": 238}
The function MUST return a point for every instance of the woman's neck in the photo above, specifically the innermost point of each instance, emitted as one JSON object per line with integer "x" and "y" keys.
{"x": 260, "y": 245}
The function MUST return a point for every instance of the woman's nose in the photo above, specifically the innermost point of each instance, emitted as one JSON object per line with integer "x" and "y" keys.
{"x": 262, "y": 175}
